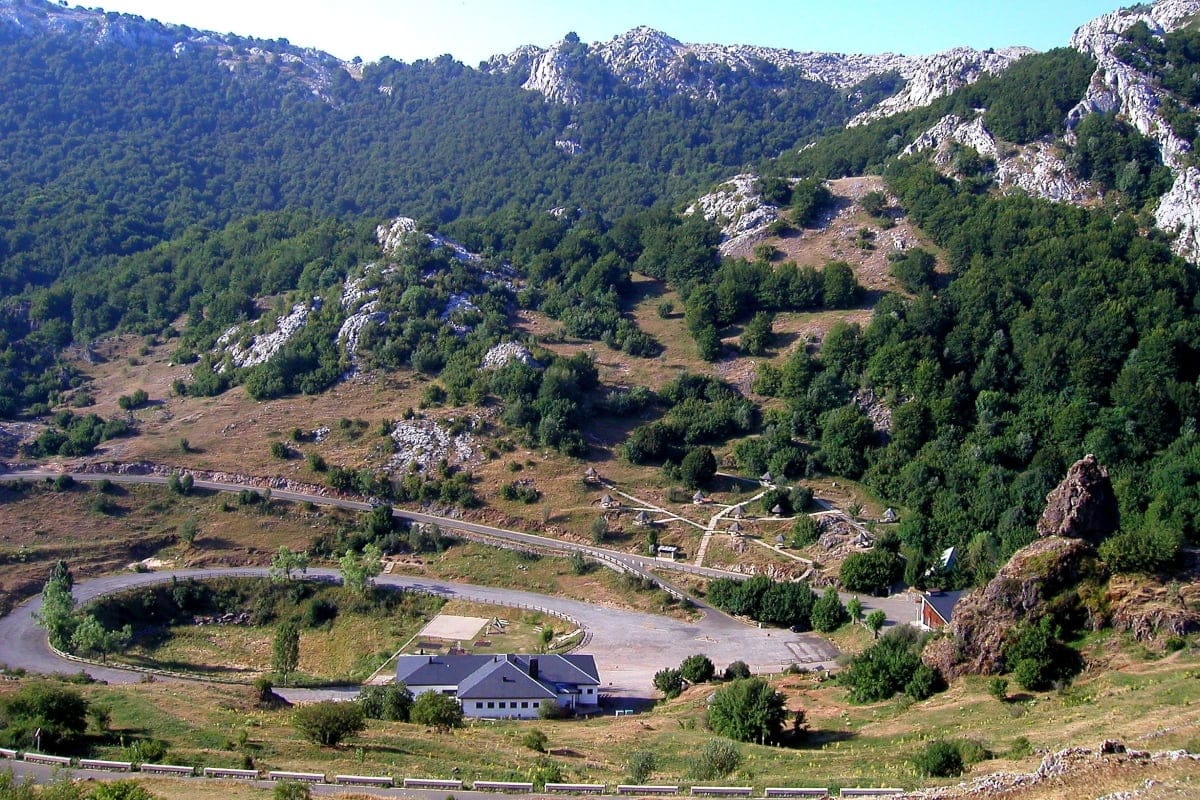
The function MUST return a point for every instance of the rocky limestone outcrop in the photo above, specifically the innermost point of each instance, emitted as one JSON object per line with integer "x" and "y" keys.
{"x": 423, "y": 442}
{"x": 309, "y": 67}
{"x": 1149, "y": 607}
{"x": 505, "y": 353}
{"x": 649, "y": 59}
{"x": 393, "y": 235}
{"x": 935, "y": 76}
{"x": 264, "y": 345}
{"x": 1021, "y": 590}
{"x": 1178, "y": 213}
{"x": 739, "y": 210}
{"x": 1071, "y": 764}
{"x": 1083, "y": 505}
{"x": 1035, "y": 169}
{"x": 1118, "y": 87}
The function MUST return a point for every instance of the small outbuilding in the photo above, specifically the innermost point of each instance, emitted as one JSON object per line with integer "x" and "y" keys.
{"x": 937, "y": 608}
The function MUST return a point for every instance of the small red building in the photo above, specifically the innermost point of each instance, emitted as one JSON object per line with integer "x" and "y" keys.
{"x": 937, "y": 608}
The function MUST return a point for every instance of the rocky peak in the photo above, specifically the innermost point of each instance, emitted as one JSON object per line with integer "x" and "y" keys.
{"x": 1020, "y": 592}
{"x": 1122, "y": 88}
{"x": 312, "y": 68}
{"x": 649, "y": 59}
{"x": 1083, "y": 505}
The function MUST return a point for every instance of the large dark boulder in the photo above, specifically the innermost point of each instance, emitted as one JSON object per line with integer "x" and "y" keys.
{"x": 1083, "y": 506}
{"x": 1023, "y": 590}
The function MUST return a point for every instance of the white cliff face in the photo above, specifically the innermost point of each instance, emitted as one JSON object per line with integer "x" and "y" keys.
{"x": 1121, "y": 88}
{"x": 932, "y": 77}
{"x": 738, "y": 209}
{"x": 263, "y": 346}
{"x": 312, "y": 68}
{"x": 362, "y": 309}
{"x": 646, "y": 58}
{"x": 1035, "y": 169}
{"x": 1178, "y": 212}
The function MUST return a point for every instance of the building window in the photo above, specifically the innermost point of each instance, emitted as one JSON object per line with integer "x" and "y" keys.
{"x": 589, "y": 691}
{"x": 535, "y": 703}
{"x": 491, "y": 704}
{"x": 503, "y": 705}
{"x": 524, "y": 704}
{"x": 479, "y": 704}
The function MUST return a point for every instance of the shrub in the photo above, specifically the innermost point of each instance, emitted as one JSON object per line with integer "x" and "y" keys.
{"x": 972, "y": 752}
{"x": 291, "y": 790}
{"x": 327, "y": 723}
{"x": 1021, "y": 748}
{"x": 998, "y": 688}
{"x": 1038, "y": 659}
{"x": 1141, "y": 551}
{"x": 535, "y": 740}
{"x": 939, "y": 759}
{"x": 60, "y": 713}
{"x": 737, "y": 669}
{"x": 747, "y": 710}
{"x": 883, "y": 669}
{"x": 828, "y": 613}
{"x": 805, "y": 531}
{"x": 669, "y": 682}
{"x": 126, "y": 789}
{"x": 698, "y": 467}
{"x": 873, "y": 572}
{"x": 716, "y": 759}
{"x": 697, "y": 669}
{"x": 579, "y": 564}
{"x": 924, "y": 683}
{"x": 438, "y": 711}
{"x": 641, "y": 763}
{"x": 392, "y": 702}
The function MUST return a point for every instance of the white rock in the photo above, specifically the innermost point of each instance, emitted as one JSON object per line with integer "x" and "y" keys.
{"x": 1178, "y": 213}
{"x": 425, "y": 442}
{"x": 644, "y": 57}
{"x": 1035, "y": 169}
{"x": 505, "y": 353}
{"x": 739, "y": 210}
{"x": 265, "y": 345}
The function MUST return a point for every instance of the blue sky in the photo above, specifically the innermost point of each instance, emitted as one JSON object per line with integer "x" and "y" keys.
{"x": 472, "y": 30}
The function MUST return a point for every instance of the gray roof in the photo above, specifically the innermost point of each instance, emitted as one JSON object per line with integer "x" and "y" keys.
{"x": 502, "y": 680}
{"x": 498, "y": 676}
{"x": 943, "y": 603}
{"x": 437, "y": 670}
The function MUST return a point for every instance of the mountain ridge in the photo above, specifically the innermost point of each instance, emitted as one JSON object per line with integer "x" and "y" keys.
{"x": 642, "y": 58}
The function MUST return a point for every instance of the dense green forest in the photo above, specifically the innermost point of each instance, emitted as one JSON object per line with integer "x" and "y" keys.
{"x": 167, "y": 195}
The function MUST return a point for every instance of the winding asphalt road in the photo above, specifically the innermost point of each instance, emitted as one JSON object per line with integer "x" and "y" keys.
{"x": 629, "y": 646}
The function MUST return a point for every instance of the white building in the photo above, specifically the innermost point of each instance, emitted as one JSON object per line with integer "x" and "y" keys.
{"x": 505, "y": 686}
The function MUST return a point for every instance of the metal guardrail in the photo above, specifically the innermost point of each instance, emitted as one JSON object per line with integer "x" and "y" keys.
{"x": 576, "y": 788}
{"x": 502, "y": 786}
{"x": 43, "y": 758}
{"x": 166, "y": 769}
{"x": 238, "y": 774}
{"x": 431, "y": 783}
{"x": 722, "y": 791}
{"x": 114, "y": 766}
{"x": 303, "y": 777}
{"x": 364, "y": 780}
{"x": 387, "y": 781}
